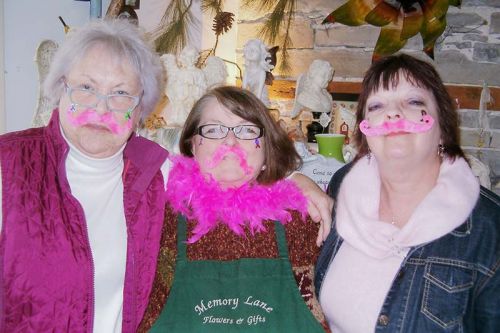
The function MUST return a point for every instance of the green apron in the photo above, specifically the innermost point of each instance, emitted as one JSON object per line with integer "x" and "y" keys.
{"x": 244, "y": 295}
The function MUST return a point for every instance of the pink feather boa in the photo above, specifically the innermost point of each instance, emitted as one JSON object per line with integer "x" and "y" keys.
{"x": 203, "y": 200}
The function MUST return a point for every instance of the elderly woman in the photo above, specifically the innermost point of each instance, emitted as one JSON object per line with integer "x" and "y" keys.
{"x": 237, "y": 227}
{"x": 83, "y": 198}
{"x": 415, "y": 241}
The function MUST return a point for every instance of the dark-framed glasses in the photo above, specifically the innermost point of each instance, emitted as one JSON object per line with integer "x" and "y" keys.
{"x": 120, "y": 103}
{"x": 242, "y": 132}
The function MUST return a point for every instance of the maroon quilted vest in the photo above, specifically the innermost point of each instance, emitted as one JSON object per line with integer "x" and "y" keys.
{"x": 46, "y": 268}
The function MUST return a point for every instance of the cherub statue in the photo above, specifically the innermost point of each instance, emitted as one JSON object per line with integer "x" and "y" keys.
{"x": 215, "y": 72}
{"x": 186, "y": 83}
{"x": 311, "y": 89}
{"x": 257, "y": 63}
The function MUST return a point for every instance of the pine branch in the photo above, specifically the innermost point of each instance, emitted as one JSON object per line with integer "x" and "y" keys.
{"x": 262, "y": 5}
{"x": 279, "y": 20}
{"x": 172, "y": 35}
{"x": 215, "y": 6}
{"x": 287, "y": 42}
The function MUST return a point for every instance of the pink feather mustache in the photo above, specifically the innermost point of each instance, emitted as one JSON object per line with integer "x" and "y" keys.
{"x": 90, "y": 116}
{"x": 402, "y": 125}
{"x": 224, "y": 151}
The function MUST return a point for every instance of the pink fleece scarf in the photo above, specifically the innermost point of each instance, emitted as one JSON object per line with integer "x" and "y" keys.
{"x": 192, "y": 194}
{"x": 444, "y": 208}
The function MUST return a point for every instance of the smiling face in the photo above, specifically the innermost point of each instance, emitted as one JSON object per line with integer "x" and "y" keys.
{"x": 396, "y": 104}
{"x": 98, "y": 132}
{"x": 231, "y": 161}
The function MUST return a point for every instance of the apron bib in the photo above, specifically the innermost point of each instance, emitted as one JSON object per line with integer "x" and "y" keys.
{"x": 244, "y": 295}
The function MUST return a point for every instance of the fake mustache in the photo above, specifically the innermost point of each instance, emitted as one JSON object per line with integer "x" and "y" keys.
{"x": 223, "y": 151}
{"x": 90, "y": 116}
{"x": 401, "y": 126}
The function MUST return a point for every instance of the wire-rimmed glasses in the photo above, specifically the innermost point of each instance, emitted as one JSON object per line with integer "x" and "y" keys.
{"x": 242, "y": 132}
{"x": 120, "y": 103}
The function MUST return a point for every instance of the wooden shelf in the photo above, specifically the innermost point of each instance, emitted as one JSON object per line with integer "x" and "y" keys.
{"x": 467, "y": 96}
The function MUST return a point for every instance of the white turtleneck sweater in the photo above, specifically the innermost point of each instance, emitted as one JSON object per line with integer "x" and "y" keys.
{"x": 97, "y": 184}
{"x": 361, "y": 274}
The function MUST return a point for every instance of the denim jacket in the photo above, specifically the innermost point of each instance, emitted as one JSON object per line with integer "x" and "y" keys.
{"x": 451, "y": 284}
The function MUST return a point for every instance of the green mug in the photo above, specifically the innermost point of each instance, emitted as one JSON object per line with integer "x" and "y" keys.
{"x": 330, "y": 145}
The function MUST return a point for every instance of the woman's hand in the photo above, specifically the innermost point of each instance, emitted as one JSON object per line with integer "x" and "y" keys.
{"x": 319, "y": 204}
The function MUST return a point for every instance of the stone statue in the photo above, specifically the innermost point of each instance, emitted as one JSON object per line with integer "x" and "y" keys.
{"x": 44, "y": 54}
{"x": 215, "y": 72}
{"x": 311, "y": 91}
{"x": 186, "y": 83}
{"x": 257, "y": 63}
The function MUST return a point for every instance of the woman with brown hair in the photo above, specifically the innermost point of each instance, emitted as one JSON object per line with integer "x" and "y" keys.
{"x": 237, "y": 225}
{"x": 414, "y": 246}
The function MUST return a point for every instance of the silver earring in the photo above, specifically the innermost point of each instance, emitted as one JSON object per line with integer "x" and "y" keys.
{"x": 440, "y": 150}
{"x": 369, "y": 155}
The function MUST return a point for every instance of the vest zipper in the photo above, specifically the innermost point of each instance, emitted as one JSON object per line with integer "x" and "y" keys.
{"x": 81, "y": 214}
{"x": 92, "y": 296}
{"x": 92, "y": 277}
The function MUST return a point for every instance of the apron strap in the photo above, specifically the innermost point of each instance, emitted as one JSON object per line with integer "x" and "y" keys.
{"x": 279, "y": 229}
{"x": 281, "y": 240}
{"x": 181, "y": 238}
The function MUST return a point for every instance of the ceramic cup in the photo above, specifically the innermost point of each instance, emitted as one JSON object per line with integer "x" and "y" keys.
{"x": 330, "y": 145}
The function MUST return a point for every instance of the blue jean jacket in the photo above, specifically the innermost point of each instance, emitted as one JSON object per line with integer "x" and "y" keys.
{"x": 451, "y": 284}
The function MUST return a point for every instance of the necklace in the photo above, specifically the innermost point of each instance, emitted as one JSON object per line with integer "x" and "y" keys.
{"x": 386, "y": 207}
{"x": 393, "y": 220}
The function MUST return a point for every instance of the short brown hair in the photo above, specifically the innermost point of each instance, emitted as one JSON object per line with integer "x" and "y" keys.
{"x": 385, "y": 73}
{"x": 280, "y": 156}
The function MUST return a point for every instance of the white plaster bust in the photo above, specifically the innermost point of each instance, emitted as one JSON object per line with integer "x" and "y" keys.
{"x": 257, "y": 63}
{"x": 311, "y": 92}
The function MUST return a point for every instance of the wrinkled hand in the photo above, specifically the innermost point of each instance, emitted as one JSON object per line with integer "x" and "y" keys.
{"x": 319, "y": 204}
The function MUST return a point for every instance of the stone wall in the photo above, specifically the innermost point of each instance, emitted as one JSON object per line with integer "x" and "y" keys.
{"x": 467, "y": 53}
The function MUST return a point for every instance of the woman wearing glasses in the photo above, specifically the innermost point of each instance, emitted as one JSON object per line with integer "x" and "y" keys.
{"x": 83, "y": 198}
{"x": 237, "y": 225}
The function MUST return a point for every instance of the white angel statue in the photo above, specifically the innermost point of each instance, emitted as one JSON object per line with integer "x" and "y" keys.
{"x": 44, "y": 54}
{"x": 186, "y": 83}
{"x": 257, "y": 63}
{"x": 215, "y": 71}
{"x": 311, "y": 90}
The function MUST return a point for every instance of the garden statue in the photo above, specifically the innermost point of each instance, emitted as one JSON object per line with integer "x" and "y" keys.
{"x": 215, "y": 72}
{"x": 44, "y": 54}
{"x": 311, "y": 93}
{"x": 257, "y": 64}
{"x": 186, "y": 83}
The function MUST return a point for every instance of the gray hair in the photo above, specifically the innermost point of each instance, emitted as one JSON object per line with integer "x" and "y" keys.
{"x": 120, "y": 38}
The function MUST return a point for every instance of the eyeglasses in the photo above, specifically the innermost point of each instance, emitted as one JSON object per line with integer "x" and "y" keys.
{"x": 242, "y": 132}
{"x": 115, "y": 102}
